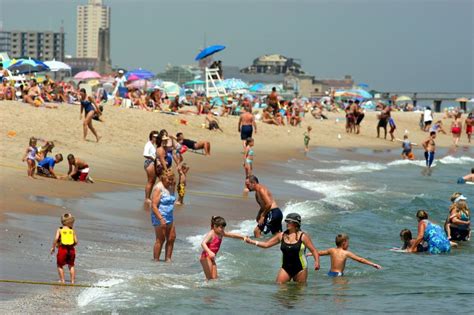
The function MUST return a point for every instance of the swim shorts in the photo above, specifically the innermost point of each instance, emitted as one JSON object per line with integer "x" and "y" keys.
{"x": 461, "y": 180}
{"x": 246, "y": 132}
{"x": 43, "y": 171}
{"x": 66, "y": 256}
{"x": 272, "y": 222}
{"x": 335, "y": 274}
{"x": 81, "y": 174}
{"x": 382, "y": 123}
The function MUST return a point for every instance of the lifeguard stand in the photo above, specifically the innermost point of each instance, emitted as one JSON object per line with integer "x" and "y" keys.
{"x": 214, "y": 83}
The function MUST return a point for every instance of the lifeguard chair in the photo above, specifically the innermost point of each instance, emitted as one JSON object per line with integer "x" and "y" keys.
{"x": 214, "y": 84}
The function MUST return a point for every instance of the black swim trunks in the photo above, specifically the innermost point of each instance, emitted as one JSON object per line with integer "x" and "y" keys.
{"x": 190, "y": 144}
{"x": 382, "y": 123}
{"x": 246, "y": 132}
{"x": 272, "y": 222}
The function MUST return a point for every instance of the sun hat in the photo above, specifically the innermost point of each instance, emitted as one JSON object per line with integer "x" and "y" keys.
{"x": 294, "y": 218}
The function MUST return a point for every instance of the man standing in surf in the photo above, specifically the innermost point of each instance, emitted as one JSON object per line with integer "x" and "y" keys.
{"x": 269, "y": 216}
{"x": 430, "y": 147}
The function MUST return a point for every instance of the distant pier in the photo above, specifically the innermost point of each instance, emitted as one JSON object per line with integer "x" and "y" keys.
{"x": 436, "y": 97}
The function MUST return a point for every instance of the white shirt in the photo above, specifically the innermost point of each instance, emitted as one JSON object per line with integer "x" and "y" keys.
{"x": 150, "y": 150}
{"x": 427, "y": 115}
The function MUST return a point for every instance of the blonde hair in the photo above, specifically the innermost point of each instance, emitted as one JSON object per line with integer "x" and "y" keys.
{"x": 455, "y": 195}
{"x": 461, "y": 206}
{"x": 67, "y": 219}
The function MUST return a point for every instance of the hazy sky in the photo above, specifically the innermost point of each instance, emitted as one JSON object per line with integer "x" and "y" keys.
{"x": 424, "y": 45}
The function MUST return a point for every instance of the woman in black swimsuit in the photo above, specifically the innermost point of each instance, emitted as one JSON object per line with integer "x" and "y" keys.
{"x": 90, "y": 109}
{"x": 293, "y": 244}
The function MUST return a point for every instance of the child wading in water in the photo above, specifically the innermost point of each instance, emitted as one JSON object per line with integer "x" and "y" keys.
{"x": 65, "y": 240}
{"x": 248, "y": 159}
{"x": 339, "y": 255}
{"x": 307, "y": 137}
{"x": 30, "y": 157}
{"x": 182, "y": 171}
{"x": 211, "y": 244}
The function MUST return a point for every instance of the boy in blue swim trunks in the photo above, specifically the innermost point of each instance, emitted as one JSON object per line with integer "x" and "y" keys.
{"x": 339, "y": 255}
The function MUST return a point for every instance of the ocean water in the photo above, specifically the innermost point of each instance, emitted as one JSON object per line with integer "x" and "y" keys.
{"x": 370, "y": 195}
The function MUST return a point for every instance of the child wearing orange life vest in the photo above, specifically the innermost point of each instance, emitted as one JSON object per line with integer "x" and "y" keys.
{"x": 65, "y": 240}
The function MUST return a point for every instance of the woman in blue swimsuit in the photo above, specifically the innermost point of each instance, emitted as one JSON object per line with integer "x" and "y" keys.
{"x": 432, "y": 234}
{"x": 162, "y": 219}
{"x": 89, "y": 108}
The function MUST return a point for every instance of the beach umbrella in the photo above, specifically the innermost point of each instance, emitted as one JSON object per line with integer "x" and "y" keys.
{"x": 208, "y": 51}
{"x": 234, "y": 84}
{"x": 363, "y": 85}
{"x": 133, "y": 77}
{"x": 85, "y": 75}
{"x": 55, "y": 66}
{"x": 257, "y": 87}
{"x": 194, "y": 82}
{"x": 157, "y": 82}
{"x": 140, "y": 73}
{"x": 171, "y": 88}
{"x": 403, "y": 98}
{"x": 28, "y": 66}
{"x": 139, "y": 84}
{"x": 7, "y": 63}
{"x": 462, "y": 99}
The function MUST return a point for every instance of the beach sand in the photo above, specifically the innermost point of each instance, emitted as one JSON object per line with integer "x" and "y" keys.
{"x": 118, "y": 160}
{"x": 117, "y": 165}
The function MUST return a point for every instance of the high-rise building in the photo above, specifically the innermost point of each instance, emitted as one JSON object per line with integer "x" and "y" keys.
{"x": 40, "y": 45}
{"x": 91, "y": 18}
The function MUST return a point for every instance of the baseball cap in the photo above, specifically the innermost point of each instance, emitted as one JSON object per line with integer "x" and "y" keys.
{"x": 293, "y": 217}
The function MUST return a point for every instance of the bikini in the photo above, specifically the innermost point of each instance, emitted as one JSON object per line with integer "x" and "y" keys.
{"x": 294, "y": 258}
{"x": 249, "y": 153}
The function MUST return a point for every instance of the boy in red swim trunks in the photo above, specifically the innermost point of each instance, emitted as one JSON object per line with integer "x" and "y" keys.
{"x": 65, "y": 240}
{"x": 78, "y": 169}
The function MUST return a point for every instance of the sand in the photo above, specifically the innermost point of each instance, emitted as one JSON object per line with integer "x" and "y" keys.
{"x": 116, "y": 161}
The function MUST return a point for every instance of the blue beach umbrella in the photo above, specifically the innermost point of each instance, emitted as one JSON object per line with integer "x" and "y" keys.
{"x": 257, "y": 87}
{"x": 28, "y": 66}
{"x": 141, "y": 74}
{"x": 194, "y": 82}
{"x": 362, "y": 93}
{"x": 208, "y": 51}
{"x": 234, "y": 84}
{"x": 363, "y": 85}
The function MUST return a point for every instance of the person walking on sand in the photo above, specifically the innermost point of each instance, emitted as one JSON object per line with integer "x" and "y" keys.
{"x": 456, "y": 128}
{"x": 149, "y": 153}
{"x": 469, "y": 122}
{"x": 293, "y": 244}
{"x": 269, "y": 216}
{"x": 430, "y": 147}
{"x": 65, "y": 240}
{"x": 427, "y": 119}
{"x": 246, "y": 125}
{"x": 162, "y": 208}
{"x": 90, "y": 108}
{"x": 339, "y": 255}
{"x": 211, "y": 245}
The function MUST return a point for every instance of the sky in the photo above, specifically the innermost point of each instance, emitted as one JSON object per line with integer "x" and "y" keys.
{"x": 399, "y": 45}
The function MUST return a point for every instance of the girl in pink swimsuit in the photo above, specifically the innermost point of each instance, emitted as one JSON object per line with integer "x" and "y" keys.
{"x": 211, "y": 244}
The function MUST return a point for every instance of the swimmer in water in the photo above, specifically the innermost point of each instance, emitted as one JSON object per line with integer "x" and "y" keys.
{"x": 469, "y": 178}
{"x": 339, "y": 255}
{"x": 293, "y": 244}
{"x": 211, "y": 244}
